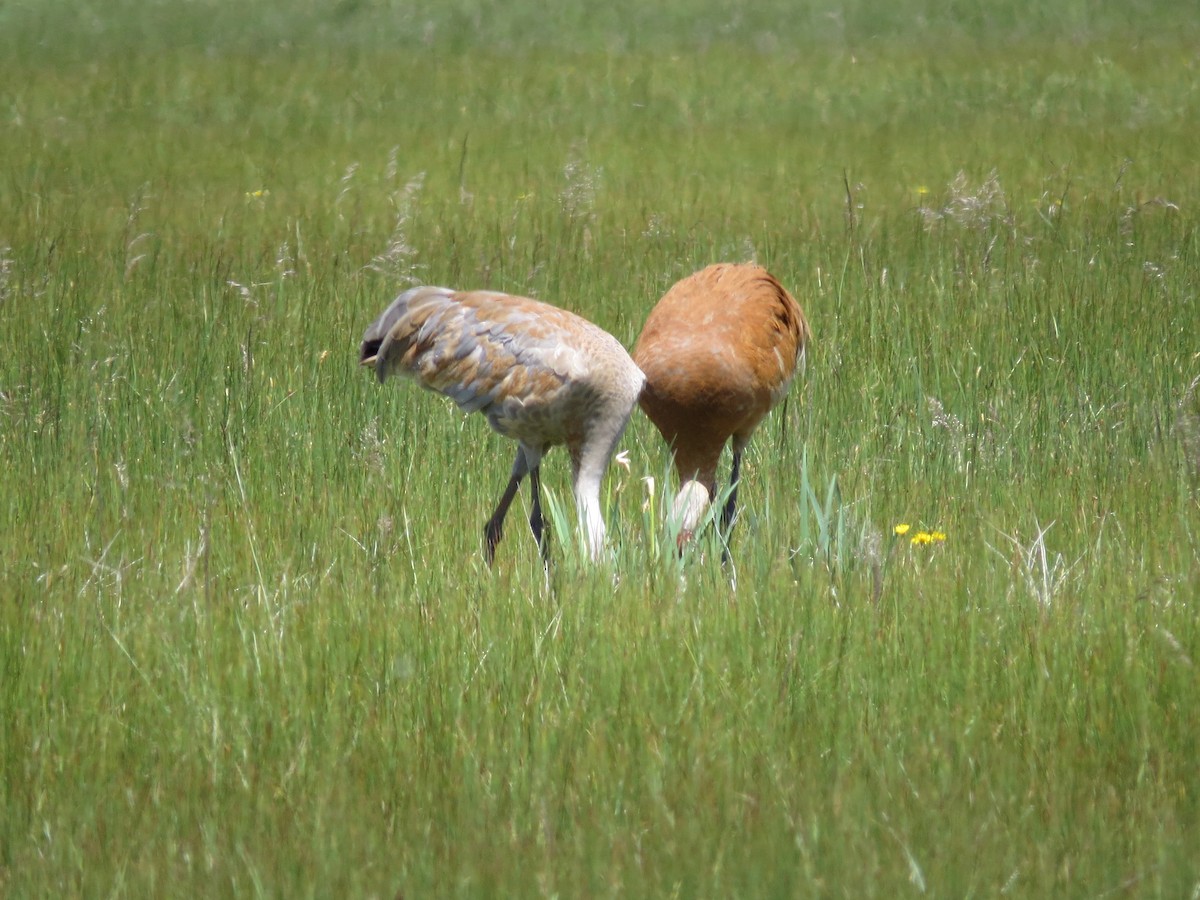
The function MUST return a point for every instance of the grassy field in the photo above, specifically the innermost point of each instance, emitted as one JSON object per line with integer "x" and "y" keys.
{"x": 248, "y": 643}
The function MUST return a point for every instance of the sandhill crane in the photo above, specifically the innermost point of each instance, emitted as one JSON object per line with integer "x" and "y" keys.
{"x": 541, "y": 375}
{"x": 719, "y": 350}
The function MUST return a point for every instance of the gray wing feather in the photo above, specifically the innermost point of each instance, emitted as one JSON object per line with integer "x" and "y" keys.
{"x": 483, "y": 351}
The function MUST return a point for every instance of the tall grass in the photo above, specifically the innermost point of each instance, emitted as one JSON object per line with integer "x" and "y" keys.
{"x": 248, "y": 644}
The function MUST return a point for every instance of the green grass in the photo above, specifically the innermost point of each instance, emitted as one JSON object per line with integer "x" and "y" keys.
{"x": 248, "y": 643}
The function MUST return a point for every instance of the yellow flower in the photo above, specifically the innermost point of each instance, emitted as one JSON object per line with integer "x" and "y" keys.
{"x": 922, "y": 190}
{"x": 900, "y": 530}
{"x": 928, "y": 537}
{"x": 257, "y": 195}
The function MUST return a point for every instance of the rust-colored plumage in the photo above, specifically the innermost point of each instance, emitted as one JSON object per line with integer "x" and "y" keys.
{"x": 541, "y": 375}
{"x": 719, "y": 351}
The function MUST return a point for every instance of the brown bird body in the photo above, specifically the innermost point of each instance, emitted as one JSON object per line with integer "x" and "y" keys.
{"x": 719, "y": 351}
{"x": 542, "y": 376}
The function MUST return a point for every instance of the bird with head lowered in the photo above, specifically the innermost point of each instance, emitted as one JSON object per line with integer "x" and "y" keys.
{"x": 719, "y": 351}
{"x": 541, "y": 376}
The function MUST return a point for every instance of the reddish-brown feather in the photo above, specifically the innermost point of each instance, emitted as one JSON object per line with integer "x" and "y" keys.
{"x": 719, "y": 350}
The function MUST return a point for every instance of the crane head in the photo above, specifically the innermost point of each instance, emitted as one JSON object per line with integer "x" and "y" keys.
{"x": 369, "y": 356}
{"x": 687, "y": 512}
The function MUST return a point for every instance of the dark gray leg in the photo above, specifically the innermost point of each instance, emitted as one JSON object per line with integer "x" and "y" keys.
{"x": 494, "y": 528}
{"x": 730, "y": 509}
{"x": 536, "y": 522}
{"x": 729, "y": 513}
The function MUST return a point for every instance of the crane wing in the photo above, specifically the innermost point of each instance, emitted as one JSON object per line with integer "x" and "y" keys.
{"x": 478, "y": 348}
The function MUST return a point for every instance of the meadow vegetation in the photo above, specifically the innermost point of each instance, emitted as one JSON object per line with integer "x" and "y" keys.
{"x": 248, "y": 643}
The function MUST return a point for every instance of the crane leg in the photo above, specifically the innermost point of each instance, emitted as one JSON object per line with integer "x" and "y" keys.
{"x": 536, "y": 522}
{"x": 494, "y": 528}
{"x": 730, "y": 510}
{"x": 729, "y": 513}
